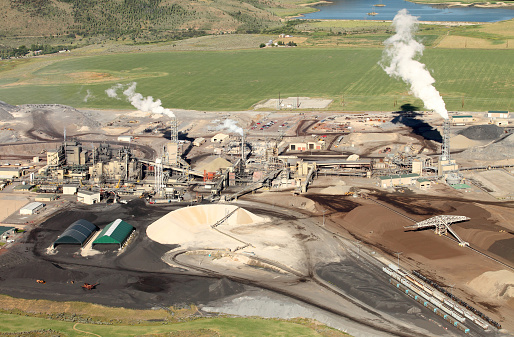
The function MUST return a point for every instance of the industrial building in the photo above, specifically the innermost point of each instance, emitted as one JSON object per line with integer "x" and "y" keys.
{"x": 125, "y": 138}
{"x": 462, "y": 119}
{"x": 6, "y": 232}
{"x": 117, "y": 232}
{"x": 77, "y": 233}
{"x": 398, "y": 180}
{"x": 498, "y": 114}
{"x": 69, "y": 189}
{"x": 220, "y": 138}
{"x": 10, "y": 172}
{"x": 31, "y": 208}
{"x": 88, "y": 197}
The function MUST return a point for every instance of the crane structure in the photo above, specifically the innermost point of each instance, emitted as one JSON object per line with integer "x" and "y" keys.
{"x": 442, "y": 225}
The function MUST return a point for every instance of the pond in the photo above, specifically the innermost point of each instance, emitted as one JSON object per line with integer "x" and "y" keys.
{"x": 387, "y": 9}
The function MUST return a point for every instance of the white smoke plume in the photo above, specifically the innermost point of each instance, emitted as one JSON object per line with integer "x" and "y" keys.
{"x": 111, "y": 92}
{"x": 145, "y": 104}
{"x": 89, "y": 95}
{"x": 231, "y": 126}
{"x": 400, "y": 53}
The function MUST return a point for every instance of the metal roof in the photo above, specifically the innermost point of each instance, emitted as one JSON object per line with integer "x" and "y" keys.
{"x": 77, "y": 233}
{"x": 115, "y": 232}
{"x": 463, "y": 116}
{"x": 32, "y": 206}
{"x": 4, "y": 229}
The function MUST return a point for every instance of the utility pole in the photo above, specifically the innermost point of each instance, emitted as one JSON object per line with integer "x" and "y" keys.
{"x": 324, "y": 210}
{"x": 398, "y": 254}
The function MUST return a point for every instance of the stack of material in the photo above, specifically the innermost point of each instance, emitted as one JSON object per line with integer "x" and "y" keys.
{"x": 483, "y": 132}
{"x": 5, "y": 111}
{"x": 500, "y": 150}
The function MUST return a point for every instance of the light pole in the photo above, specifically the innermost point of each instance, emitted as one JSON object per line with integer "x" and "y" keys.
{"x": 324, "y": 210}
{"x": 398, "y": 254}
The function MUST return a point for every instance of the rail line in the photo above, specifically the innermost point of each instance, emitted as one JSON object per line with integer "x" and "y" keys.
{"x": 445, "y": 236}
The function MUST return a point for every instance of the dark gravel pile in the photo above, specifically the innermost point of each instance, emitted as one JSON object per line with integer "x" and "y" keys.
{"x": 503, "y": 149}
{"x": 483, "y": 132}
{"x": 4, "y": 111}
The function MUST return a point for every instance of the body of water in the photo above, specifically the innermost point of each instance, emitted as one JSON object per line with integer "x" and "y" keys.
{"x": 358, "y": 9}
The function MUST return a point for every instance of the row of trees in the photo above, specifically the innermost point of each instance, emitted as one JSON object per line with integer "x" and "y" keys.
{"x": 36, "y": 49}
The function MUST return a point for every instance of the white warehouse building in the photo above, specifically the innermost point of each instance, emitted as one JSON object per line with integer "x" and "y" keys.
{"x": 31, "y": 208}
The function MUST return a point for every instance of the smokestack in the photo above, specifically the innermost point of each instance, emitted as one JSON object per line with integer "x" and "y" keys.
{"x": 243, "y": 147}
{"x": 400, "y": 53}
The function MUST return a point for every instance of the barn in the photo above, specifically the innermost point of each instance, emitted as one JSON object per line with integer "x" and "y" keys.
{"x": 77, "y": 233}
{"x": 116, "y": 232}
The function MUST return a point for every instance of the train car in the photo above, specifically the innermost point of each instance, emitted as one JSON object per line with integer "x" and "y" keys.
{"x": 441, "y": 297}
{"x": 481, "y": 324}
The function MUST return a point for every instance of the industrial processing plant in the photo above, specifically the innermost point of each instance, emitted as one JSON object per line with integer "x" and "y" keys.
{"x": 391, "y": 223}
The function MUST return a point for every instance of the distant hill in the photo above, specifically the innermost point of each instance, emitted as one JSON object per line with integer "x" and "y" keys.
{"x": 134, "y": 19}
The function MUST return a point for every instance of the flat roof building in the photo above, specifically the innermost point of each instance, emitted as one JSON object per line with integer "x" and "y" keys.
{"x": 31, "y": 208}
{"x": 69, "y": 189}
{"x": 497, "y": 114}
{"x": 10, "y": 172}
{"x": 88, "y": 197}
{"x": 220, "y": 138}
{"x": 398, "y": 179}
{"x": 77, "y": 233}
{"x": 116, "y": 232}
{"x": 125, "y": 138}
{"x": 5, "y": 232}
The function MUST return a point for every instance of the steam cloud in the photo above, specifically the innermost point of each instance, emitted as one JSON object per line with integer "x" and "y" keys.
{"x": 400, "y": 52}
{"x": 231, "y": 126}
{"x": 89, "y": 95}
{"x": 145, "y": 104}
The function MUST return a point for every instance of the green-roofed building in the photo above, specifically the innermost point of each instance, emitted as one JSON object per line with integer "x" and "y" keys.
{"x": 116, "y": 232}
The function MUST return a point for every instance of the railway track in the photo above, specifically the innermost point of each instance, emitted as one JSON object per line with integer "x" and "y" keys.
{"x": 445, "y": 236}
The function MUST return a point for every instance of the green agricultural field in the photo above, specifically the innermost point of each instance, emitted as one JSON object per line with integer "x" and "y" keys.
{"x": 234, "y": 80}
{"x": 247, "y": 327}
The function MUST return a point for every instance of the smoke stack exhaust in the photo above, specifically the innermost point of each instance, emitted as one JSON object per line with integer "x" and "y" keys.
{"x": 399, "y": 61}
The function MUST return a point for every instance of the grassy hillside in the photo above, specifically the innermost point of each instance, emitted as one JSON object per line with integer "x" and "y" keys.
{"x": 234, "y": 80}
{"x": 246, "y": 327}
{"x": 139, "y": 20}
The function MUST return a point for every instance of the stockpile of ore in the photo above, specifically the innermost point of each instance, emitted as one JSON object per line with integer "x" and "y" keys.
{"x": 4, "y": 111}
{"x": 483, "y": 132}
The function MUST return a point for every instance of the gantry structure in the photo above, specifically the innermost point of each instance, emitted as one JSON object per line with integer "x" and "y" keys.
{"x": 442, "y": 225}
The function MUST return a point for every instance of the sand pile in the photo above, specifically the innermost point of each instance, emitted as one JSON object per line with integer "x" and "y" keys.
{"x": 5, "y": 111}
{"x": 191, "y": 226}
{"x": 483, "y": 132}
{"x": 340, "y": 188}
{"x": 460, "y": 142}
{"x": 494, "y": 284}
{"x": 214, "y": 165}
